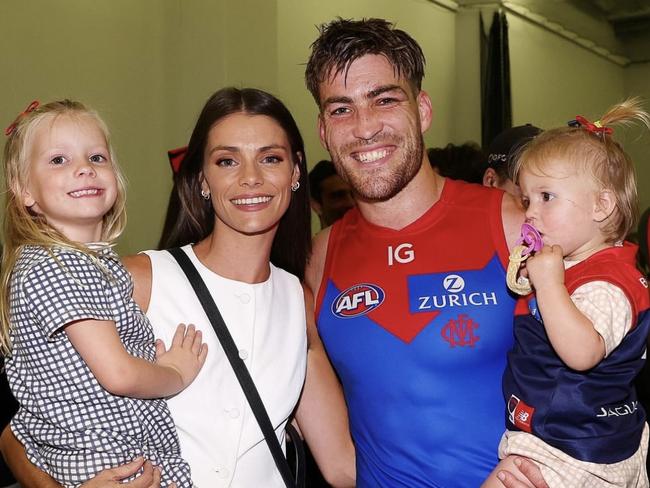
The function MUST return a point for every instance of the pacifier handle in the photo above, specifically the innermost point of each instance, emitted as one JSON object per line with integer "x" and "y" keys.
{"x": 531, "y": 238}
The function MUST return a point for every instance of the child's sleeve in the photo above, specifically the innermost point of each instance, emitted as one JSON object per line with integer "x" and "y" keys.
{"x": 66, "y": 290}
{"x": 608, "y": 308}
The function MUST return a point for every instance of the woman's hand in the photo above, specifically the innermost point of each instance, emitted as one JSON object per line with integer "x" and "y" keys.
{"x": 112, "y": 478}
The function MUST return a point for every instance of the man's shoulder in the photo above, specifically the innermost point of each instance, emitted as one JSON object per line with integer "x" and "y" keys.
{"x": 471, "y": 193}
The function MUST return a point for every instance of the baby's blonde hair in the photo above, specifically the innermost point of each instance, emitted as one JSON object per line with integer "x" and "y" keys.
{"x": 23, "y": 227}
{"x": 598, "y": 154}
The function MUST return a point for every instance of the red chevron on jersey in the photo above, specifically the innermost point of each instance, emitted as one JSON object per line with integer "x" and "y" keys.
{"x": 395, "y": 303}
{"x": 389, "y": 261}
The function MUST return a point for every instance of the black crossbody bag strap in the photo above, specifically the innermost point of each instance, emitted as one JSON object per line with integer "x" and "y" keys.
{"x": 244, "y": 377}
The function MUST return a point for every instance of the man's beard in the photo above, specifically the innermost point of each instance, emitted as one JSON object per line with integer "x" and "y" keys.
{"x": 383, "y": 183}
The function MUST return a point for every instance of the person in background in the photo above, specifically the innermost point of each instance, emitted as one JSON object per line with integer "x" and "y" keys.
{"x": 502, "y": 155}
{"x": 8, "y": 408}
{"x": 643, "y": 237}
{"x": 464, "y": 162}
{"x": 330, "y": 195}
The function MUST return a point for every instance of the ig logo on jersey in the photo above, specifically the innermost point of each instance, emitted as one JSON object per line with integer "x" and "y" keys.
{"x": 357, "y": 300}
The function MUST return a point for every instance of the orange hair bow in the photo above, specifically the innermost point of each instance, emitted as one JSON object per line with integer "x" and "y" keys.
{"x": 30, "y": 108}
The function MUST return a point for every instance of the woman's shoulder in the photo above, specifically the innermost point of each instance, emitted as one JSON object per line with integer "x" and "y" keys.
{"x": 137, "y": 263}
{"x": 282, "y": 278}
{"x": 139, "y": 266}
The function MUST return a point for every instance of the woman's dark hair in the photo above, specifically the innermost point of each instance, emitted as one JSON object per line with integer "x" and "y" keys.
{"x": 195, "y": 220}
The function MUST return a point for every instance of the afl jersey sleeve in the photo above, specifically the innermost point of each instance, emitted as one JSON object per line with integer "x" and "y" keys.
{"x": 417, "y": 324}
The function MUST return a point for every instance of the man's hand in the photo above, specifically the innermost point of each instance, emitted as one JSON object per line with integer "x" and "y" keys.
{"x": 186, "y": 355}
{"x": 526, "y": 468}
{"x": 112, "y": 478}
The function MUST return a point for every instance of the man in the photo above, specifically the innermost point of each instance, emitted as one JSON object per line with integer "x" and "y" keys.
{"x": 502, "y": 155}
{"x": 331, "y": 197}
{"x": 411, "y": 299}
{"x": 460, "y": 162}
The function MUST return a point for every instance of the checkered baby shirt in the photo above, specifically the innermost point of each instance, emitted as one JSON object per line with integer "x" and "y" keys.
{"x": 69, "y": 424}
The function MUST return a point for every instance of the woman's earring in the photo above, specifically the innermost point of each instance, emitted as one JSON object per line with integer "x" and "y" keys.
{"x": 295, "y": 186}
{"x": 205, "y": 194}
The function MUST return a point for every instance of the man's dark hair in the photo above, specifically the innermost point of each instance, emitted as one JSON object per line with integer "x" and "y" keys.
{"x": 463, "y": 162}
{"x": 323, "y": 169}
{"x": 504, "y": 150}
{"x": 343, "y": 41}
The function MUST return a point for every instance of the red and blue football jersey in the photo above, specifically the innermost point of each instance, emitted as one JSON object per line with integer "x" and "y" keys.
{"x": 417, "y": 324}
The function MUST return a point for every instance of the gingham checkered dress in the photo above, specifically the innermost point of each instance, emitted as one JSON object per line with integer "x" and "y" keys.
{"x": 70, "y": 425}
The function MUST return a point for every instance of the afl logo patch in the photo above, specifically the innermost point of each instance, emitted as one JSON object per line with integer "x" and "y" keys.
{"x": 357, "y": 300}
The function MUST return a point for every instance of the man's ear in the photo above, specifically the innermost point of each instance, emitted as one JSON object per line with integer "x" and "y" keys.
{"x": 604, "y": 205}
{"x": 321, "y": 132}
{"x": 316, "y": 207}
{"x": 425, "y": 110}
{"x": 490, "y": 178}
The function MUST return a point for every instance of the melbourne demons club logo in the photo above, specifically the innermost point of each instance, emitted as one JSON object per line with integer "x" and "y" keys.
{"x": 460, "y": 332}
{"x": 357, "y": 300}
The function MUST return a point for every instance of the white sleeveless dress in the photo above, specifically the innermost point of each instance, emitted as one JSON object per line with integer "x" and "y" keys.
{"x": 219, "y": 435}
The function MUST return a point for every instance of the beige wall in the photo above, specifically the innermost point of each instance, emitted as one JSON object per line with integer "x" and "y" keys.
{"x": 148, "y": 66}
{"x": 554, "y": 79}
{"x": 637, "y": 83}
{"x": 108, "y": 54}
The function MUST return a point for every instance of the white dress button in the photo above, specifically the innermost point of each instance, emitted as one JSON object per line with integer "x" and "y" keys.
{"x": 234, "y": 413}
{"x": 245, "y": 298}
{"x": 243, "y": 354}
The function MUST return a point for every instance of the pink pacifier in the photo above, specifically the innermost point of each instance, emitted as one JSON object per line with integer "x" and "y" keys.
{"x": 531, "y": 238}
{"x": 530, "y": 241}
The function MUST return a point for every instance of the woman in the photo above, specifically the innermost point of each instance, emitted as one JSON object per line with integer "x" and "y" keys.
{"x": 245, "y": 205}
